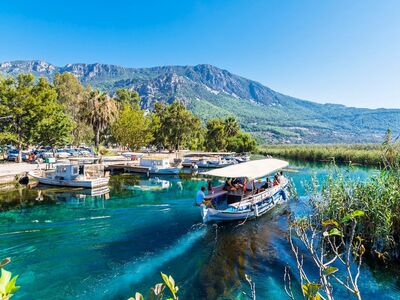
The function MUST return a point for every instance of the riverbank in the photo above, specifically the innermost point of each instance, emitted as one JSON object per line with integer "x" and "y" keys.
{"x": 363, "y": 154}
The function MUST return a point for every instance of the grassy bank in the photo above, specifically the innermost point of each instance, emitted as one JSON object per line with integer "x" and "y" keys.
{"x": 366, "y": 154}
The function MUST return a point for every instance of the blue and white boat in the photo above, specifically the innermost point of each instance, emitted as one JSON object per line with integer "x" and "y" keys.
{"x": 223, "y": 204}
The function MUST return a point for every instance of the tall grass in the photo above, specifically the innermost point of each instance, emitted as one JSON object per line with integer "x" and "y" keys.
{"x": 378, "y": 197}
{"x": 366, "y": 154}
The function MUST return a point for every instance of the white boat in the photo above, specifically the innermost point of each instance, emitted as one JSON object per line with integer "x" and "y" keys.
{"x": 73, "y": 175}
{"x": 208, "y": 163}
{"x": 224, "y": 205}
{"x": 155, "y": 165}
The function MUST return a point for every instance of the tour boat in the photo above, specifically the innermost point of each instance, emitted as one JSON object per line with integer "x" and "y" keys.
{"x": 73, "y": 175}
{"x": 223, "y": 205}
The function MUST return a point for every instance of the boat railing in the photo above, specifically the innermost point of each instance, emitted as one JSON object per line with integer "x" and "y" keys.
{"x": 264, "y": 194}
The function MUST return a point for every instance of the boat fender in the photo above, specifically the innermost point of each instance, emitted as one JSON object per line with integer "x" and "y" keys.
{"x": 23, "y": 180}
{"x": 283, "y": 194}
{"x": 256, "y": 210}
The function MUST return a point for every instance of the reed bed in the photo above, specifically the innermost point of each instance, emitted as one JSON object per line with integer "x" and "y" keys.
{"x": 364, "y": 154}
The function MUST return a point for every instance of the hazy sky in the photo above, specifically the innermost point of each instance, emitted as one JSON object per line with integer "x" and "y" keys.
{"x": 336, "y": 51}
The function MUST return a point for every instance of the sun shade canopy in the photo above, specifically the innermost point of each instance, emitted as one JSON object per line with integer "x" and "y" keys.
{"x": 251, "y": 170}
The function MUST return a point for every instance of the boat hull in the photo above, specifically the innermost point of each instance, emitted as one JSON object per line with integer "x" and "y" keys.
{"x": 94, "y": 183}
{"x": 246, "y": 211}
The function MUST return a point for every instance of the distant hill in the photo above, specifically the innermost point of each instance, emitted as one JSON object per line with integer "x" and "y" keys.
{"x": 209, "y": 91}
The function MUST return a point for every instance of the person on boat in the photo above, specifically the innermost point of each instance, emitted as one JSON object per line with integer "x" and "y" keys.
{"x": 281, "y": 178}
{"x": 200, "y": 196}
{"x": 276, "y": 180}
{"x": 267, "y": 184}
{"x": 210, "y": 188}
{"x": 229, "y": 185}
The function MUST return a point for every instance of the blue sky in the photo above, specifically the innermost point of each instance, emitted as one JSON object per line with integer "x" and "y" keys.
{"x": 326, "y": 51}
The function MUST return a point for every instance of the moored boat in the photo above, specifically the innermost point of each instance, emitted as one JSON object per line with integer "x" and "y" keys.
{"x": 207, "y": 163}
{"x": 154, "y": 165}
{"x": 249, "y": 201}
{"x": 73, "y": 175}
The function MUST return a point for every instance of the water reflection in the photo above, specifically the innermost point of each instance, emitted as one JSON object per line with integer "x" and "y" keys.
{"x": 20, "y": 197}
{"x": 240, "y": 248}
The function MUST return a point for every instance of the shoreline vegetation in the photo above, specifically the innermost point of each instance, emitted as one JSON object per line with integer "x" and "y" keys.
{"x": 363, "y": 154}
{"x": 348, "y": 219}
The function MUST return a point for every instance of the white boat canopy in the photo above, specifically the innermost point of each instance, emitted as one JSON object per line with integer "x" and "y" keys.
{"x": 251, "y": 170}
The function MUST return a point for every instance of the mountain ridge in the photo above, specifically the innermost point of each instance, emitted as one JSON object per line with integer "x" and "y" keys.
{"x": 213, "y": 92}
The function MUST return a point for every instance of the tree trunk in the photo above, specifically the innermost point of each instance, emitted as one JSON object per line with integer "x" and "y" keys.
{"x": 97, "y": 141}
{"x": 19, "y": 159}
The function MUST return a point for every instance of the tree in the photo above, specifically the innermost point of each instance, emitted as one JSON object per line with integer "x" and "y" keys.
{"x": 241, "y": 143}
{"x": 225, "y": 134}
{"x": 129, "y": 97}
{"x": 132, "y": 128}
{"x": 232, "y": 126}
{"x": 72, "y": 95}
{"x": 23, "y": 105}
{"x": 177, "y": 125}
{"x": 100, "y": 111}
{"x": 215, "y": 139}
{"x": 55, "y": 129}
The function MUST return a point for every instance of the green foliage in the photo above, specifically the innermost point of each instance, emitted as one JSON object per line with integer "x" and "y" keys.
{"x": 225, "y": 134}
{"x": 368, "y": 154}
{"x": 8, "y": 285}
{"x": 241, "y": 143}
{"x": 175, "y": 126}
{"x": 29, "y": 111}
{"x": 73, "y": 96}
{"x": 132, "y": 128}
{"x": 127, "y": 97}
{"x": 373, "y": 203}
{"x": 55, "y": 129}
{"x": 216, "y": 138}
{"x": 100, "y": 111}
{"x": 157, "y": 292}
{"x": 310, "y": 291}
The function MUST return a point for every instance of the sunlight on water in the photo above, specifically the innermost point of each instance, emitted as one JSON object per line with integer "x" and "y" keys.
{"x": 133, "y": 272}
{"x": 70, "y": 245}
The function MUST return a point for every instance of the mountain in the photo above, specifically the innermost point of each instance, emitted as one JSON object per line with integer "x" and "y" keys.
{"x": 210, "y": 92}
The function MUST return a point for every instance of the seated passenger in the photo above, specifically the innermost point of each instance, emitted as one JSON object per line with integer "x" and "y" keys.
{"x": 265, "y": 186}
{"x": 228, "y": 185}
{"x": 210, "y": 188}
{"x": 276, "y": 181}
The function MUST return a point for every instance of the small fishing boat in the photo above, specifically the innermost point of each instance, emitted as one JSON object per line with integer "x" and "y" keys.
{"x": 73, "y": 175}
{"x": 154, "y": 165}
{"x": 208, "y": 163}
{"x": 224, "y": 204}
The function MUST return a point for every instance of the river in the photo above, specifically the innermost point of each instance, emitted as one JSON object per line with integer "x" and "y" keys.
{"x": 67, "y": 244}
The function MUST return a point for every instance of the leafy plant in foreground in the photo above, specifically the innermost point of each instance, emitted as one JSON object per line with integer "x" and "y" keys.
{"x": 157, "y": 292}
{"x": 331, "y": 253}
{"x": 7, "y": 282}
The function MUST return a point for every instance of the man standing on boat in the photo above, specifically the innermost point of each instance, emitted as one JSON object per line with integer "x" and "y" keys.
{"x": 200, "y": 196}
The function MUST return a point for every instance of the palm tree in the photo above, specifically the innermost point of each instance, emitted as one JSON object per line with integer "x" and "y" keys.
{"x": 232, "y": 126}
{"x": 100, "y": 112}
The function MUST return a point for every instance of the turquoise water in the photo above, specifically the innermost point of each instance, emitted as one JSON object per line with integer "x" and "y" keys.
{"x": 66, "y": 244}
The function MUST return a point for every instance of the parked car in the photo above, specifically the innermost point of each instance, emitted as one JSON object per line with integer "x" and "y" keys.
{"x": 85, "y": 153}
{"x": 73, "y": 152}
{"x": 12, "y": 155}
{"x": 61, "y": 153}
